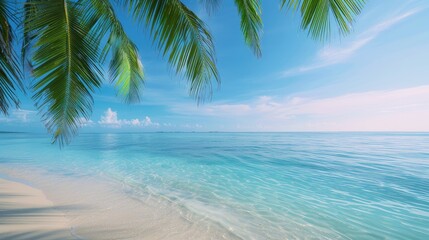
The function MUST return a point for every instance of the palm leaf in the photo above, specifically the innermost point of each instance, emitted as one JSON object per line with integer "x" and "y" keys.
{"x": 125, "y": 68}
{"x": 64, "y": 56}
{"x": 211, "y": 5}
{"x": 183, "y": 38}
{"x": 28, "y": 34}
{"x": 10, "y": 77}
{"x": 251, "y": 22}
{"x": 317, "y": 15}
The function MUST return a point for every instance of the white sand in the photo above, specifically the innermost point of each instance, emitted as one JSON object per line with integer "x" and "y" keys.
{"x": 98, "y": 209}
{"x": 26, "y": 213}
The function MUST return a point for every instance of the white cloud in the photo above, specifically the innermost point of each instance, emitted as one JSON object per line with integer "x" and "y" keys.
{"x": 372, "y": 101}
{"x": 333, "y": 55}
{"x": 85, "y": 122}
{"x": 135, "y": 122}
{"x": 211, "y": 110}
{"x": 188, "y": 126}
{"x": 168, "y": 125}
{"x": 375, "y": 30}
{"x": 146, "y": 122}
{"x": 19, "y": 115}
{"x": 110, "y": 119}
{"x": 404, "y": 109}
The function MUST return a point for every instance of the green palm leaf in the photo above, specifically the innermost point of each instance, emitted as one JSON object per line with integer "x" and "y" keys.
{"x": 29, "y": 34}
{"x": 211, "y": 5}
{"x": 64, "y": 55}
{"x": 183, "y": 38}
{"x": 10, "y": 78}
{"x": 317, "y": 15}
{"x": 125, "y": 68}
{"x": 251, "y": 22}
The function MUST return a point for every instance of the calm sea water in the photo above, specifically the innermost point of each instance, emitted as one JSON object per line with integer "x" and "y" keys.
{"x": 261, "y": 185}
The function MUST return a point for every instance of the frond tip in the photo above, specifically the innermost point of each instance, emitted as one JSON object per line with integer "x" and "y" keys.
{"x": 126, "y": 70}
{"x": 317, "y": 15}
{"x": 251, "y": 22}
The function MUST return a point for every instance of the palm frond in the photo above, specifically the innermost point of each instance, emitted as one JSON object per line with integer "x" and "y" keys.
{"x": 10, "y": 75}
{"x": 211, "y": 5}
{"x": 28, "y": 34}
{"x": 183, "y": 38}
{"x": 317, "y": 15}
{"x": 125, "y": 68}
{"x": 64, "y": 56}
{"x": 251, "y": 22}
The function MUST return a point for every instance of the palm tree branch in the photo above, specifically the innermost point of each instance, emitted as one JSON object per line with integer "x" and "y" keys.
{"x": 251, "y": 22}
{"x": 183, "y": 38}
{"x": 317, "y": 15}
{"x": 10, "y": 74}
{"x": 125, "y": 68}
{"x": 65, "y": 59}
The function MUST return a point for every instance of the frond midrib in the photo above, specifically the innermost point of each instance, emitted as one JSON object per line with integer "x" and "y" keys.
{"x": 69, "y": 61}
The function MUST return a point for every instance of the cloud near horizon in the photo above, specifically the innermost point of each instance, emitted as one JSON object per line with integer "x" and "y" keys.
{"x": 110, "y": 119}
{"x": 19, "y": 115}
{"x": 404, "y": 109}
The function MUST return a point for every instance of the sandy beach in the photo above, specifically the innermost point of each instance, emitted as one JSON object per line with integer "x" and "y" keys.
{"x": 26, "y": 213}
{"x": 85, "y": 207}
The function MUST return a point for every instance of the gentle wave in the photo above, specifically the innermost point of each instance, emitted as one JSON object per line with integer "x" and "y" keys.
{"x": 262, "y": 185}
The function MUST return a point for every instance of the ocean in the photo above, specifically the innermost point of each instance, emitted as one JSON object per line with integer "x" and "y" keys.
{"x": 258, "y": 185}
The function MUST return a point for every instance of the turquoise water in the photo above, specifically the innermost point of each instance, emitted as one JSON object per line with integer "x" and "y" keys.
{"x": 261, "y": 185}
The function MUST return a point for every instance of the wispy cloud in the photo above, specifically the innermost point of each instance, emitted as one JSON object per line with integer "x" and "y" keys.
{"x": 110, "y": 119}
{"x": 86, "y": 122}
{"x": 19, "y": 115}
{"x": 331, "y": 55}
{"x": 400, "y": 109}
{"x": 211, "y": 109}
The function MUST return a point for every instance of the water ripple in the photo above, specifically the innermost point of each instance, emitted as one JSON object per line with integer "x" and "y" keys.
{"x": 262, "y": 185}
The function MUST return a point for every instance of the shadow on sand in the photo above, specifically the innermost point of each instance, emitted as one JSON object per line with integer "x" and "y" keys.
{"x": 22, "y": 223}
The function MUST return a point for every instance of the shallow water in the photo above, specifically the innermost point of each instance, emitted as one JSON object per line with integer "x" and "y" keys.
{"x": 259, "y": 185}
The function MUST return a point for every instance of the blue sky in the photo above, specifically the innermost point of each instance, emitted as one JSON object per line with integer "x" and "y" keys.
{"x": 375, "y": 79}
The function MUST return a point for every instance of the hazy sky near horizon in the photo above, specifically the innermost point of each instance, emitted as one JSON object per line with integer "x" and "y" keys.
{"x": 374, "y": 79}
